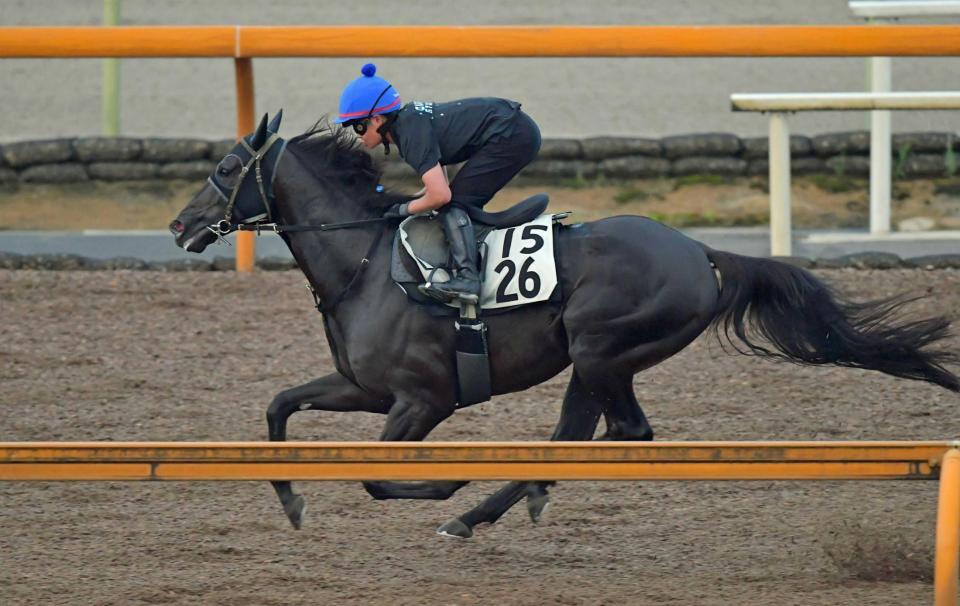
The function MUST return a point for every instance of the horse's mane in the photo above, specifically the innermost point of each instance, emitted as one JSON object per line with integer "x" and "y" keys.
{"x": 330, "y": 153}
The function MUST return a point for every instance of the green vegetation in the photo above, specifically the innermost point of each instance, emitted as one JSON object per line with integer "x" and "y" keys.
{"x": 949, "y": 187}
{"x": 701, "y": 180}
{"x": 840, "y": 166}
{"x": 899, "y": 168}
{"x": 836, "y": 184}
{"x": 631, "y": 194}
{"x": 760, "y": 185}
{"x": 581, "y": 182}
{"x": 578, "y": 182}
{"x": 709, "y": 219}
{"x": 950, "y": 157}
{"x": 900, "y": 194}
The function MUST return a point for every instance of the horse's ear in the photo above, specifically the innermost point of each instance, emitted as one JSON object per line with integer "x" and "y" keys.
{"x": 274, "y": 126}
{"x": 260, "y": 136}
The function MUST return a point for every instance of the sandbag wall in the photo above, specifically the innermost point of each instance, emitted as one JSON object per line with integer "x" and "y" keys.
{"x": 922, "y": 155}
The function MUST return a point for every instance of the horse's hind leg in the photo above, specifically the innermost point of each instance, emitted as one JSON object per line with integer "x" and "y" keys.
{"x": 412, "y": 422}
{"x": 622, "y": 413}
{"x": 333, "y": 392}
{"x": 578, "y": 420}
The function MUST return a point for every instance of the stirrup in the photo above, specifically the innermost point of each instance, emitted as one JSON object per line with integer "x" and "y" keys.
{"x": 436, "y": 291}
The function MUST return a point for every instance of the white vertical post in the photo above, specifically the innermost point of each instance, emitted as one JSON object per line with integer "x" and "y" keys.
{"x": 880, "y": 153}
{"x": 780, "y": 239}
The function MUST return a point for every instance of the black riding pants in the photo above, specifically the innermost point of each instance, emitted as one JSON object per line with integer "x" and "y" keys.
{"x": 494, "y": 164}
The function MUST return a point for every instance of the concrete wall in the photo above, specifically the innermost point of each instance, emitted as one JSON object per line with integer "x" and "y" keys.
{"x": 568, "y": 97}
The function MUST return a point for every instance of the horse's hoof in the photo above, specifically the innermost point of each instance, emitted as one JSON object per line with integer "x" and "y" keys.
{"x": 296, "y": 509}
{"x": 537, "y": 505}
{"x": 455, "y": 528}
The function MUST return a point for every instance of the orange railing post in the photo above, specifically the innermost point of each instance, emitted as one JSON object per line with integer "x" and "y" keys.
{"x": 243, "y": 68}
{"x": 948, "y": 531}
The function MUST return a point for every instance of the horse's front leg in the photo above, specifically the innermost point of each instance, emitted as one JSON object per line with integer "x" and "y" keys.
{"x": 333, "y": 392}
{"x": 412, "y": 422}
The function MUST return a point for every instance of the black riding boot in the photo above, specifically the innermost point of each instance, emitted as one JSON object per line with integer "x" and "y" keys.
{"x": 465, "y": 283}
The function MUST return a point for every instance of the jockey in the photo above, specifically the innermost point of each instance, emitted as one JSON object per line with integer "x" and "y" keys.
{"x": 492, "y": 136}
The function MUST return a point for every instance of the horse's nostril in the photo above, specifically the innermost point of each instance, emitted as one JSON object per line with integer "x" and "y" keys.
{"x": 176, "y": 226}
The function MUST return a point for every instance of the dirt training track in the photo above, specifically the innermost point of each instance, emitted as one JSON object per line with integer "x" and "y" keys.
{"x": 198, "y": 356}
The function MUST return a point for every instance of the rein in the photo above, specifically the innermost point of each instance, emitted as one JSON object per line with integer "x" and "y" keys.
{"x": 364, "y": 262}
{"x": 280, "y": 228}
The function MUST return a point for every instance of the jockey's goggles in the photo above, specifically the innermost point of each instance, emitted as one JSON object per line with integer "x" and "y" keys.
{"x": 360, "y": 126}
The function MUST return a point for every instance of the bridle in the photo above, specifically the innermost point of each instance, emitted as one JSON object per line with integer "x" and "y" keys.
{"x": 256, "y": 223}
{"x": 225, "y": 226}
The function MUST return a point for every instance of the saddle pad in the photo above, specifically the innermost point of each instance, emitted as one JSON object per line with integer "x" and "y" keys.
{"x": 517, "y": 263}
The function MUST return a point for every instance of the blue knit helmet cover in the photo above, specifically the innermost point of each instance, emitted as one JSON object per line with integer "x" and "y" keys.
{"x": 368, "y": 95}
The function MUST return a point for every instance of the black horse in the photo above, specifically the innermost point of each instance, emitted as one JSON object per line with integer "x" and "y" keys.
{"x": 634, "y": 293}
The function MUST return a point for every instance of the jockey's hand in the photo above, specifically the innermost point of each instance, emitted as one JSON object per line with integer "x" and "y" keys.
{"x": 397, "y": 211}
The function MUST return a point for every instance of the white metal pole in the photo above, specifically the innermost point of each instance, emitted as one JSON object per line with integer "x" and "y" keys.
{"x": 780, "y": 244}
{"x": 880, "y": 153}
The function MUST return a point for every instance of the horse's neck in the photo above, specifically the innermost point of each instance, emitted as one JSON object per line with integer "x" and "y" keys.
{"x": 328, "y": 259}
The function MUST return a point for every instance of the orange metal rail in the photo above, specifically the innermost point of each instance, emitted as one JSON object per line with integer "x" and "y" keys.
{"x": 480, "y": 41}
{"x": 471, "y": 461}
{"x": 44, "y": 461}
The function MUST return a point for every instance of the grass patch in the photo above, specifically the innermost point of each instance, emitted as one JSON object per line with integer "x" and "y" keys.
{"x": 900, "y": 166}
{"x": 687, "y": 180}
{"x": 836, "y": 184}
{"x": 949, "y": 187}
{"x": 581, "y": 182}
{"x": 631, "y": 194}
{"x": 900, "y": 193}
{"x": 950, "y": 158}
{"x": 573, "y": 183}
{"x": 760, "y": 185}
{"x": 709, "y": 219}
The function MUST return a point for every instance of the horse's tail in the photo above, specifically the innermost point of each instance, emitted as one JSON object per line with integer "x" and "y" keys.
{"x": 807, "y": 323}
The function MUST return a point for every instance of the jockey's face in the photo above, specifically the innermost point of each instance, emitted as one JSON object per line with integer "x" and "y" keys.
{"x": 371, "y": 138}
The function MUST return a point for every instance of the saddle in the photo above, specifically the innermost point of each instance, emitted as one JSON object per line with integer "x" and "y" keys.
{"x": 420, "y": 247}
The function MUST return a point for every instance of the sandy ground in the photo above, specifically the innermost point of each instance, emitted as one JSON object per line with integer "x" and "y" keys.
{"x": 153, "y": 356}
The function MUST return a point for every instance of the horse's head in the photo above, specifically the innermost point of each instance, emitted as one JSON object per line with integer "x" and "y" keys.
{"x": 240, "y": 190}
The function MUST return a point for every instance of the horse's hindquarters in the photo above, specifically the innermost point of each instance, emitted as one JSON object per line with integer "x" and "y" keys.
{"x": 635, "y": 293}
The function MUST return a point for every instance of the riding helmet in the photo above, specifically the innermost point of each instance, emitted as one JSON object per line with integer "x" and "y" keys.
{"x": 368, "y": 95}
